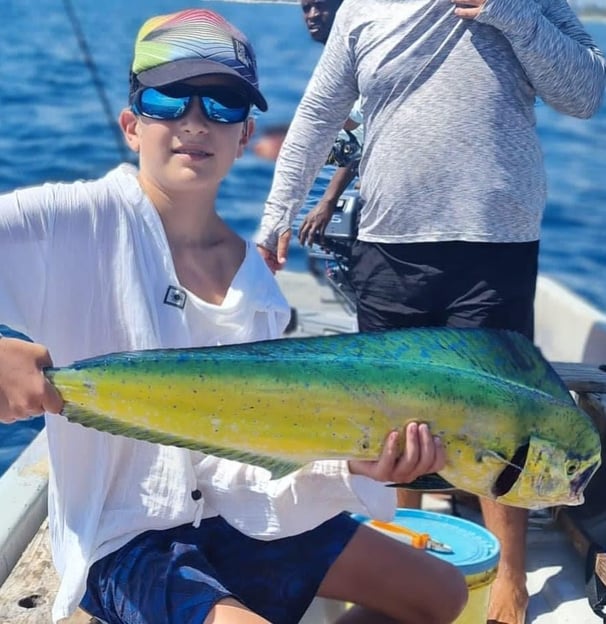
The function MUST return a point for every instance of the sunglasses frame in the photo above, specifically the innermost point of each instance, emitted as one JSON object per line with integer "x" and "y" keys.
{"x": 189, "y": 93}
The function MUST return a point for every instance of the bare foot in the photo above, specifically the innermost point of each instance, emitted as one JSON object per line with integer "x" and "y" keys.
{"x": 508, "y": 601}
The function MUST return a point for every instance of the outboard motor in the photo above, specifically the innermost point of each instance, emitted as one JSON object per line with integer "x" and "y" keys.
{"x": 329, "y": 258}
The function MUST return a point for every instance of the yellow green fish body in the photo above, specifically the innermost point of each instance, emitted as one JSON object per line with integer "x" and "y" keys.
{"x": 511, "y": 430}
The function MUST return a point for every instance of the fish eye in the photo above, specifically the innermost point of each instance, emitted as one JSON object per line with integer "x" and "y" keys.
{"x": 571, "y": 468}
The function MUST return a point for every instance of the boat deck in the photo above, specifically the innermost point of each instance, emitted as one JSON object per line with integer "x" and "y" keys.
{"x": 555, "y": 578}
{"x": 555, "y": 542}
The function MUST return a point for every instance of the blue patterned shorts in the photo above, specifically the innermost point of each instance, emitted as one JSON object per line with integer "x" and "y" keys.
{"x": 178, "y": 575}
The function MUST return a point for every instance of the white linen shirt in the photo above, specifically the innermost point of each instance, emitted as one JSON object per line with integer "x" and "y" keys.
{"x": 85, "y": 269}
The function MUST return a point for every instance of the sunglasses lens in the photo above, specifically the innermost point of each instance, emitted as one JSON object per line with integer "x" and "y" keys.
{"x": 218, "y": 104}
{"x": 157, "y": 105}
{"x": 225, "y": 105}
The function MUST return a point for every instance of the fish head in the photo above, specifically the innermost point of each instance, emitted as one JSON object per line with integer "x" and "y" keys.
{"x": 544, "y": 474}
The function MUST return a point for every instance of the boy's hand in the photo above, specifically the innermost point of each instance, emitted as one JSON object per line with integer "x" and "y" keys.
{"x": 423, "y": 454}
{"x": 24, "y": 390}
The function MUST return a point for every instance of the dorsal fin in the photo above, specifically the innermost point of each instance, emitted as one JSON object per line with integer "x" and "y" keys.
{"x": 507, "y": 355}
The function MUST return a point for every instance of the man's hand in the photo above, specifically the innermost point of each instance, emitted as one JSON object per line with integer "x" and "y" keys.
{"x": 468, "y": 9}
{"x": 315, "y": 222}
{"x": 277, "y": 260}
{"x": 24, "y": 390}
{"x": 423, "y": 454}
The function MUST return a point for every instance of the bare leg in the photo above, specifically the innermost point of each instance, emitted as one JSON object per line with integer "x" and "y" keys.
{"x": 395, "y": 580}
{"x": 360, "y": 615}
{"x": 230, "y": 611}
{"x": 409, "y": 498}
{"x": 508, "y": 596}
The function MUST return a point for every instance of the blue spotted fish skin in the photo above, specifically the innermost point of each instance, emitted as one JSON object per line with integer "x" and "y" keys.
{"x": 489, "y": 394}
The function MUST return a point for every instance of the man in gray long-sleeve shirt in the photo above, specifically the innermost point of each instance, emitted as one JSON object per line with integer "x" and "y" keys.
{"x": 452, "y": 176}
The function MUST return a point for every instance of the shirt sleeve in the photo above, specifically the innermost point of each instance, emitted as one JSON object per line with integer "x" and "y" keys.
{"x": 24, "y": 225}
{"x": 264, "y": 508}
{"x": 323, "y": 110}
{"x": 563, "y": 64}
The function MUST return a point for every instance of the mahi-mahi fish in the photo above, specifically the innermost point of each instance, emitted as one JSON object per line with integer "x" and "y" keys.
{"x": 511, "y": 430}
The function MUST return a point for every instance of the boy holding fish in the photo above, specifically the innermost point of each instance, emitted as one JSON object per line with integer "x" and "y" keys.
{"x": 140, "y": 259}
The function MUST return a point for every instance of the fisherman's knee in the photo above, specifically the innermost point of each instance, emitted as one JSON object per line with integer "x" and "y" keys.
{"x": 451, "y": 596}
{"x": 440, "y": 604}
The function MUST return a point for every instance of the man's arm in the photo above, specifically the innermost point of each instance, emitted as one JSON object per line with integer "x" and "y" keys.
{"x": 323, "y": 109}
{"x": 316, "y": 221}
{"x": 562, "y": 62}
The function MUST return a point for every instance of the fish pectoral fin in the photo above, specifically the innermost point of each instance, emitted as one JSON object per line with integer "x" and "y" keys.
{"x": 432, "y": 482}
{"x": 512, "y": 471}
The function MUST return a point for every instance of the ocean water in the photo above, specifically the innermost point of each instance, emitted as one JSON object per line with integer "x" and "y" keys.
{"x": 63, "y": 80}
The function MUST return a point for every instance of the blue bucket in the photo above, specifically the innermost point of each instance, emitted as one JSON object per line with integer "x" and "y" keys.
{"x": 475, "y": 552}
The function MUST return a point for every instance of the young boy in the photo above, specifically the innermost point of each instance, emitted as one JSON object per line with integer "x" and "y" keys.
{"x": 151, "y": 534}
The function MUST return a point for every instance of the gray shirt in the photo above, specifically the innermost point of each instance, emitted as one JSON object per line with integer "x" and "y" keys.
{"x": 451, "y": 150}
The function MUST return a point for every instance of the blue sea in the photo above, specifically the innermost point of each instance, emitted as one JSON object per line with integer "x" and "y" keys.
{"x": 63, "y": 79}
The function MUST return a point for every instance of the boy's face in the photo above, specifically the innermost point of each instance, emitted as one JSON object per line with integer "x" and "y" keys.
{"x": 191, "y": 150}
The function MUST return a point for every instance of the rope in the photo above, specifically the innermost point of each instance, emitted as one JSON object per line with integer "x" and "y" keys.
{"x": 92, "y": 68}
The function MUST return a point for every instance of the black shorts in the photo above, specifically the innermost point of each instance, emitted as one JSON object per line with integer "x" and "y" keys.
{"x": 452, "y": 284}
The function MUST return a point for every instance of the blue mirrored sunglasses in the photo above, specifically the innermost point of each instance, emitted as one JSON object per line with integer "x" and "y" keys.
{"x": 219, "y": 104}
